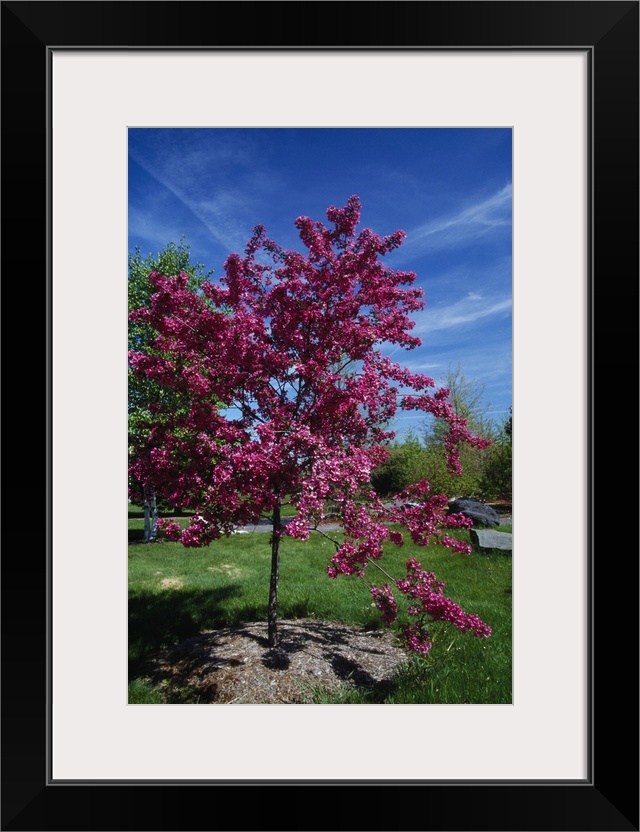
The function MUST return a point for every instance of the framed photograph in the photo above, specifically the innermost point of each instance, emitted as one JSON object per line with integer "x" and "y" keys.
{"x": 563, "y": 78}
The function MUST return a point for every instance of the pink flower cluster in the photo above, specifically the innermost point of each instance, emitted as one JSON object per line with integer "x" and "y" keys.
{"x": 172, "y": 530}
{"x": 386, "y": 603}
{"x": 416, "y": 638}
{"x": 427, "y": 592}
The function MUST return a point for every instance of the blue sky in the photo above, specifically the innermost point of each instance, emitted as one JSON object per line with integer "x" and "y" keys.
{"x": 450, "y": 190}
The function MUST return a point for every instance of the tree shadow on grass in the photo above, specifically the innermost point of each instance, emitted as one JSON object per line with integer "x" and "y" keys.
{"x": 157, "y": 620}
{"x": 286, "y": 610}
{"x": 136, "y": 536}
{"x": 135, "y": 513}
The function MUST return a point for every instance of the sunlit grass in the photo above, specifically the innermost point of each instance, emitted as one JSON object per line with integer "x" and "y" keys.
{"x": 176, "y": 593}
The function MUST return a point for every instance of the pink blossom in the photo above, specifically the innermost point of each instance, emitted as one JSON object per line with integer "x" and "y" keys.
{"x": 386, "y": 603}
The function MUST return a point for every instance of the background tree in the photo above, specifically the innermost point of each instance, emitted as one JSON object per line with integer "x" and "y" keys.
{"x": 497, "y": 473}
{"x": 467, "y": 398}
{"x": 144, "y": 394}
{"x": 287, "y": 345}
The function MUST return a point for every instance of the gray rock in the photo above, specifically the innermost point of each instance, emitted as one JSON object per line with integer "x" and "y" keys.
{"x": 481, "y": 514}
{"x": 489, "y": 539}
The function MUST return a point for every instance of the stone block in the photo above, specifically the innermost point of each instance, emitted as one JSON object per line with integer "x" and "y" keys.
{"x": 489, "y": 539}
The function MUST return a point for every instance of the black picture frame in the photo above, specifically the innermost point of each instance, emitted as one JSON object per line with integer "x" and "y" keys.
{"x": 608, "y": 798}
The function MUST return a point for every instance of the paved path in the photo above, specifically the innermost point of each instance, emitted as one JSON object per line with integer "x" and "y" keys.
{"x": 265, "y": 526}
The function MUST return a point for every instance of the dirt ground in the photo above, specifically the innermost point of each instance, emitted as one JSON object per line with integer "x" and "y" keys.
{"x": 236, "y": 666}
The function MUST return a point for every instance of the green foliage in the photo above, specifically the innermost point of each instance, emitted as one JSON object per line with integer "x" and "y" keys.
{"x": 497, "y": 474}
{"x": 454, "y": 485}
{"x": 173, "y": 259}
{"x": 142, "y": 393}
{"x": 405, "y": 466}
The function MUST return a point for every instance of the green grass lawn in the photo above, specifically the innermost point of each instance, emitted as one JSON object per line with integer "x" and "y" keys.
{"x": 175, "y": 593}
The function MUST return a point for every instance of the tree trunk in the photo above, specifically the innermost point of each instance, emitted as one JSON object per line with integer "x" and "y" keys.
{"x": 273, "y": 588}
{"x": 150, "y": 517}
{"x": 154, "y": 517}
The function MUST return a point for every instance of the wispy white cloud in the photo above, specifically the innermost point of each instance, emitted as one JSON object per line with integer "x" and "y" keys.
{"x": 489, "y": 215}
{"x": 150, "y": 231}
{"x": 198, "y": 176}
{"x": 218, "y": 213}
{"x": 469, "y": 309}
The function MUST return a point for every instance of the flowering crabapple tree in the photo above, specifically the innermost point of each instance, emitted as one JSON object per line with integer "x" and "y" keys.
{"x": 290, "y": 395}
